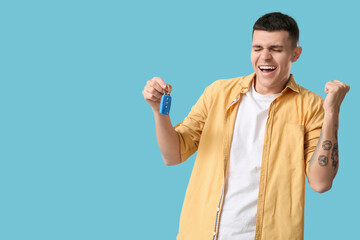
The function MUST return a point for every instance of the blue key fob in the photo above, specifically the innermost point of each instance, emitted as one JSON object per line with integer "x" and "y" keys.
{"x": 165, "y": 104}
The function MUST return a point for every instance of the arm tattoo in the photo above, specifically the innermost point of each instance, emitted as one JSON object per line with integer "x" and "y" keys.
{"x": 327, "y": 145}
{"x": 335, "y": 155}
{"x": 323, "y": 160}
{"x": 336, "y": 130}
{"x": 313, "y": 156}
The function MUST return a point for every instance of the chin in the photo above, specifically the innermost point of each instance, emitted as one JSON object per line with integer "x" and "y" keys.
{"x": 259, "y": 75}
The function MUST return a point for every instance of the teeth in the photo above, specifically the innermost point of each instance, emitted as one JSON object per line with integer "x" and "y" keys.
{"x": 267, "y": 67}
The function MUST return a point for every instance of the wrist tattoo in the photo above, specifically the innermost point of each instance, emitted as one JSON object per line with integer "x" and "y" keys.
{"x": 327, "y": 145}
{"x": 323, "y": 160}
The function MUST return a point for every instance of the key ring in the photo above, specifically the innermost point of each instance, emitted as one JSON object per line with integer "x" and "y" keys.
{"x": 167, "y": 87}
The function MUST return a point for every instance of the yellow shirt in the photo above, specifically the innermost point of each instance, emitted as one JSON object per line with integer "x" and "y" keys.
{"x": 292, "y": 132}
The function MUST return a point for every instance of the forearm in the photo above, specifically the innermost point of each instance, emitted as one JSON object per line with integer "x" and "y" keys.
{"x": 324, "y": 162}
{"x": 168, "y": 139}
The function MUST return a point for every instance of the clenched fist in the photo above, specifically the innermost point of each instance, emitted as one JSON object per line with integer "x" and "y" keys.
{"x": 336, "y": 92}
{"x": 153, "y": 91}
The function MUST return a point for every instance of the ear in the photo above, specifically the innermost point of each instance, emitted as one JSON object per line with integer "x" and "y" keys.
{"x": 296, "y": 54}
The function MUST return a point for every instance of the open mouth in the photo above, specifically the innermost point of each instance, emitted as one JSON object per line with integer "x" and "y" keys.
{"x": 267, "y": 68}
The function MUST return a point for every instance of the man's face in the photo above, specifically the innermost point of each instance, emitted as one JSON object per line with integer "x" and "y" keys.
{"x": 272, "y": 56}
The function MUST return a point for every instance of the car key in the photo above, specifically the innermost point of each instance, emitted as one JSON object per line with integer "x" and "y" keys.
{"x": 165, "y": 104}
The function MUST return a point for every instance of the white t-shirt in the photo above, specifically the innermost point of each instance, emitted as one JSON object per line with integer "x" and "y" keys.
{"x": 238, "y": 217}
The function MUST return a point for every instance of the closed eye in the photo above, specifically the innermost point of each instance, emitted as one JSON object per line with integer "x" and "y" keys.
{"x": 276, "y": 48}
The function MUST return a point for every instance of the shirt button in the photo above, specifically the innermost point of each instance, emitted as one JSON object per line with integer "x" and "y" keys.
{"x": 214, "y": 233}
{"x": 218, "y": 209}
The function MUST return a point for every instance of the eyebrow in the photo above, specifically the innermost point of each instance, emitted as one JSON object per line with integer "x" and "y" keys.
{"x": 272, "y": 46}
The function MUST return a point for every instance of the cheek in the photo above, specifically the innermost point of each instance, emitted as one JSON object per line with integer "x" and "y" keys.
{"x": 285, "y": 61}
{"x": 253, "y": 58}
{"x": 286, "y": 65}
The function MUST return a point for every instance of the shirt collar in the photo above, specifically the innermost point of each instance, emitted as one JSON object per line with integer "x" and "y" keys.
{"x": 246, "y": 83}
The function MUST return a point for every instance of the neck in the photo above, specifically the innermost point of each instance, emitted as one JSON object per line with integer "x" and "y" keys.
{"x": 270, "y": 90}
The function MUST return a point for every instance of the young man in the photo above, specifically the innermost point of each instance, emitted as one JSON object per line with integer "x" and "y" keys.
{"x": 256, "y": 136}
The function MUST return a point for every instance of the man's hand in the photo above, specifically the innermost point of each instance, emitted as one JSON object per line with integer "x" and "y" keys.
{"x": 336, "y": 92}
{"x": 154, "y": 90}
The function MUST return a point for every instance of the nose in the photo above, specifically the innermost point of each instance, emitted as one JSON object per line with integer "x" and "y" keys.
{"x": 266, "y": 55}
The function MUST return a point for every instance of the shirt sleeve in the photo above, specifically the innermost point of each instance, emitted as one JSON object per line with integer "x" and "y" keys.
{"x": 313, "y": 131}
{"x": 191, "y": 128}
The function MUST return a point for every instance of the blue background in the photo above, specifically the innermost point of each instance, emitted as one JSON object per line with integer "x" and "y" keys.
{"x": 78, "y": 152}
